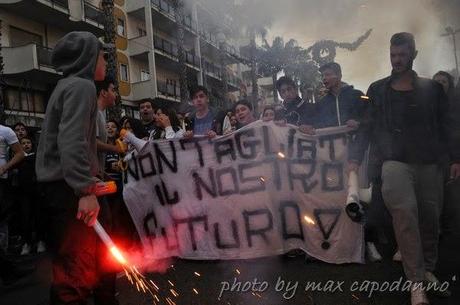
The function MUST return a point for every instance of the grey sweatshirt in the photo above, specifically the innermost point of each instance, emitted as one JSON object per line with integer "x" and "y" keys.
{"x": 67, "y": 147}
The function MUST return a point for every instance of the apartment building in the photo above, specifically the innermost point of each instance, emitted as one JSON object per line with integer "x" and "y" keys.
{"x": 30, "y": 29}
{"x": 146, "y": 43}
{"x": 151, "y": 65}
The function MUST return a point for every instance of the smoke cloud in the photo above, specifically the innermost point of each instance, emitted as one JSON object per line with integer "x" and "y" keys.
{"x": 308, "y": 21}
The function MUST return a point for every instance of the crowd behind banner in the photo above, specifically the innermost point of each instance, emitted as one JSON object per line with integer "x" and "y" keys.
{"x": 389, "y": 121}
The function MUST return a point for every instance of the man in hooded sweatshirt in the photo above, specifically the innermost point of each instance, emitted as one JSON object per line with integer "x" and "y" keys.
{"x": 67, "y": 164}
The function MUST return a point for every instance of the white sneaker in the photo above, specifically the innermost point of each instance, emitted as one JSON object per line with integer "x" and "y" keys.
{"x": 397, "y": 257}
{"x": 372, "y": 253}
{"x": 25, "y": 249}
{"x": 430, "y": 278}
{"x": 418, "y": 295}
{"x": 41, "y": 247}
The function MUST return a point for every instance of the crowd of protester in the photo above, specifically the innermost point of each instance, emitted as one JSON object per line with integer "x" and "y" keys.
{"x": 408, "y": 128}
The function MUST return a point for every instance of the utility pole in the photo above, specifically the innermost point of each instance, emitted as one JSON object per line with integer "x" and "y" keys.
{"x": 451, "y": 32}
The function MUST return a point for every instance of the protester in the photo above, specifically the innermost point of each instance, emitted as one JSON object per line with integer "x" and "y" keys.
{"x": 205, "y": 120}
{"x": 106, "y": 97}
{"x": 10, "y": 271}
{"x": 66, "y": 165}
{"x": 342, "y": 105}
{"x": 30, "y": 202}
{"x": 447, "y": 82}
{"x": 21, "y": 130}
{"x": 450, "y": 217}
{"x": 168, "y": 125}
{"x": 135, "y": 126}
{"x": 296, "y": 111}
{"x": 405, "y": 126}
{"x": 268, "y": 114}
{"x": 123, "y": 229}
{"x": 243, "y": 113}
{"x": 147, "y": 112}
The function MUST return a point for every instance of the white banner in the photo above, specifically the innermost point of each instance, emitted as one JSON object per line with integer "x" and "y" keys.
{"x": 260, "y": 191}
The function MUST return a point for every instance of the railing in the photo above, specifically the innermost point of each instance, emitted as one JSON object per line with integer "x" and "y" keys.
{"x": 60, "y": 3}
{"x": 168, "y": 88}
{"x": 165, "y": 46}
{"x": 212, "y": 69}
{"x": 167, "y": 8}
{"x": 191, "y": 59}
{"x": 209, "y": 37}
{"x": 93, "y": 13}
{"x": 172, "y": 50}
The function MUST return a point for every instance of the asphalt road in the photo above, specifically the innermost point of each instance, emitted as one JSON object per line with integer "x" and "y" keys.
{"x": 211, "y": 282}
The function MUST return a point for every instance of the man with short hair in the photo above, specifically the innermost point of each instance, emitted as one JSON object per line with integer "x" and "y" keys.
{"x": 106, "y": 97}
{"x": 342, "y": 105}
{"x": 408, "y": 128}
{"x": 205, "y": 120}
{"x": 147, "y": 112}
{"x": 296, "y": 111}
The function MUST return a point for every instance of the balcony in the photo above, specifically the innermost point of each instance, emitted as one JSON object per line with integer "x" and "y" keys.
{"x": 138, "y": 46}
{"x": 165, "y": 46}
{"x": 170, "y": 50}
{"x": 93, "y": 15}
{"x": 26, "y": 58}
{"x": 192, "y": 59}
{"x": 58, "y": 13}
{"x": 163, "y": 12}
{"x": 212, "y": 70}
{"x": 169, "y": 89}
{"x": 142, "y": 90}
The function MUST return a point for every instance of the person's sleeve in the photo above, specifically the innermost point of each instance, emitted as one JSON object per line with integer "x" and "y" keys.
{"x": 10, "y": 136}
{"x": 309, "y": 115}
{"x": 77, "y": 114}
{"x": 361, "y": 140}
{"x": 171, "y": 134}
{"x": 227, "y": 125}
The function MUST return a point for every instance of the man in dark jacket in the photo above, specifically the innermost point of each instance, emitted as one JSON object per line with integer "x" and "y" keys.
{"x": 342, "y": 105}
{"x": 408, "y": 127}
{"x": 296, "y": 111}
{"x": 204, "y": 120}
{"x": 67, "y": 164}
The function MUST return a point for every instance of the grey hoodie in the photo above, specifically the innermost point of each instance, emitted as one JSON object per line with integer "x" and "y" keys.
{"x": 67, "y": 147}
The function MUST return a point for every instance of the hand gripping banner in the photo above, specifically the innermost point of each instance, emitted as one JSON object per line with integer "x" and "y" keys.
{"x": 260, "y": 191}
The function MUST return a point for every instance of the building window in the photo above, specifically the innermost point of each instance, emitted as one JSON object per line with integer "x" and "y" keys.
{"x": 120, "y": 27}
{"x": 27, "y": 101}
{"x": 124, "y": 73}
{"x": 141, "y": 32}
{"x": 145, "y": 75}
{"x": 19, "y": 37}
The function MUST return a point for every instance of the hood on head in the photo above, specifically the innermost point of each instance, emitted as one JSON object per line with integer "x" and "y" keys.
{"x": 76, "y": 54}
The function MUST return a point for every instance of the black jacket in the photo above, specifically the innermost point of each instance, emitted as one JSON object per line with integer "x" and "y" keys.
{"x": 377, "y": 128}
{"x": 299, "y": 112}
{"x": 337, "y": 110}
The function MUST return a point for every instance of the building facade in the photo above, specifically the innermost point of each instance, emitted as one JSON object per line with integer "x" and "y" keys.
{"x": 147, "y": 52}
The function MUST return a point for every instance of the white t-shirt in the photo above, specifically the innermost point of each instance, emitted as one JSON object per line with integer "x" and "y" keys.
{"x": 7, "y": 138}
